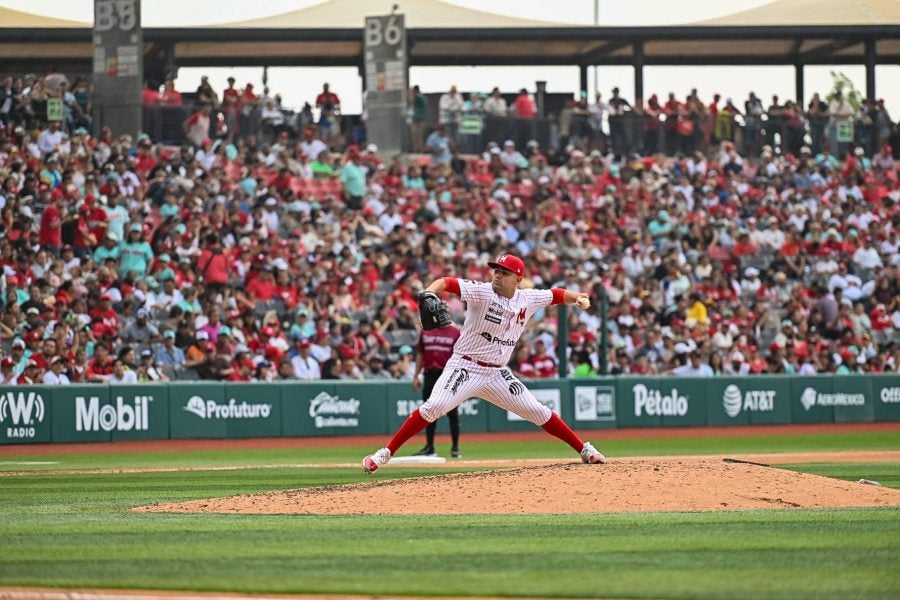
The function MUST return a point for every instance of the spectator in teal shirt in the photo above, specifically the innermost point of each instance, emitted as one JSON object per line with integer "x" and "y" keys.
{"x": 354, "y": 180}
{"x": 109, "y": 249}
{"x": 135, "y": 254}
{"x": 660, "y": 226}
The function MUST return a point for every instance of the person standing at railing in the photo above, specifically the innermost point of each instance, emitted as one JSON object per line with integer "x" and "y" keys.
{"x": 450, "y": 108}
{"x": 524, "y": 107}
{"x": 495, "y": 105}
{"x": 840, "y": 111}
{"x": 419, "y": 116}
{"x": 817, "y": 114}
{"x": 618, "y": 134}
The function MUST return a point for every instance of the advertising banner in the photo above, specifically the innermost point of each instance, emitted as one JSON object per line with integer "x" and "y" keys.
{"x": 260, "y": 409}
{"x": 812, "y": 399}
{"x": 645, "y": 402}
{"x": 748, "y": 400}
{"x": 25, "y": 414}
{"x": 886, "y": 397}
{"x": 83, "y": 413}
{"x": 593, "y": 403}
{"x": 313, "y": 409}
{"x": 150, "y": 402}
{"x": 858, "y": 403}
{"x": 199, "y": 410}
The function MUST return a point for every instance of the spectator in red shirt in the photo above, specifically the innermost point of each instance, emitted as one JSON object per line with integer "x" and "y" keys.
{"x": 524, "y": 105}
{"x": 350, "y": 345}
{"x": 51, "y": 225}
{"x": 544, "y": 364}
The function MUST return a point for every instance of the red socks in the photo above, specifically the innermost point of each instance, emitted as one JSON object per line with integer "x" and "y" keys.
{"x": 557, "y": 427}
{"x": 413, "y": 424}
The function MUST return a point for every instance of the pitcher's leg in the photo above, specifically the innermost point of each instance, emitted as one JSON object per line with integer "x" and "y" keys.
{"x": 507, "y": 392}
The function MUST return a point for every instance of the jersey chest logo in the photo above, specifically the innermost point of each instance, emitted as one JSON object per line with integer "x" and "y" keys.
{"x": 520, "y": 318}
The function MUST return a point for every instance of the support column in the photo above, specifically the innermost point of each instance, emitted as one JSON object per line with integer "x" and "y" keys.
{"x": 583, "y": 78}
{"x": 870, "y": 69}
{"x": 798, "y": 85}
{"x": 638, "y": 71}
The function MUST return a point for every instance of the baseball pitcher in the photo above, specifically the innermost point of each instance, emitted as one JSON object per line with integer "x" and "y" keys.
{"x": 496, "y": 314}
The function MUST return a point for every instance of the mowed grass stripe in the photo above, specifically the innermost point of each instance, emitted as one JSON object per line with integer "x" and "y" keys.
{"x": 806, "y": 553}
{"x": 543, "y": 448}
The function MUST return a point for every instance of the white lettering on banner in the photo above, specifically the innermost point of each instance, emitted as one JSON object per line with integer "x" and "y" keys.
{"x": 890, "y": 395}
{"x": 210, "y": 409}
{"x": 812, "y": 397}
{"x": 655, "y": 404}
{"x": 90, "y": 416}
{"x": 751, "y": 400}
{"x": 593, "y": 403}
{"x": 330, "y": 411}
{"x": 23, "y": 411}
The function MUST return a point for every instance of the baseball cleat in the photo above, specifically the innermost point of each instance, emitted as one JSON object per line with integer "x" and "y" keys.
{"x": 591, "y": 455}
{"x": 426, "y": 451}
{"x": 373, "y": 461}
{"x": 455, "y": 453}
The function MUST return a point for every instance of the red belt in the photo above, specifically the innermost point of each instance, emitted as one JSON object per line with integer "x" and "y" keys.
{"x": 481, "y": 363}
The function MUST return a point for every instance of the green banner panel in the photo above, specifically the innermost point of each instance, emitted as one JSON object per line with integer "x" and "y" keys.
{"x": 631, "y": 403}
{"x": 254, "y": 409}
{"x": 150, "y": 403}
{"x": 84, "y": 413}
{"x": 812, "y": 399}
{"x": 552, "y": 393}
{"x": 853, "y": 399}
{"x": 26, "y": 415}
{"x": 313, "y": 409}
{"x": 298, "y": 400}
{"x": 886, "y": 397}
{"x": 645, "y": 402}
{"x": 748, "y": 400}
{"x": 358, "y": 408}
{"x": 593, "y": 403}
{"x": 199, "y": 410}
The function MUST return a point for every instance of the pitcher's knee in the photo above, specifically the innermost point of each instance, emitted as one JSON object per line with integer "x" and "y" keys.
{"x": 429, "y": 412}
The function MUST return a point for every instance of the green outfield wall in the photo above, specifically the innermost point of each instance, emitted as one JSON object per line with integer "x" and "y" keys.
{"x": 89, "y": 413}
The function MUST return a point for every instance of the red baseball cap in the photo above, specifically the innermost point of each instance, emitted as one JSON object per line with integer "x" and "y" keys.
{"x": 510, "y": 263}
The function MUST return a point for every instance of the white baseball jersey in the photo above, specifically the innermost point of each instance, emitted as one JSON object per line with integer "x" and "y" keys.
{"x": 495, "y": 323}
{"x": 492, "y": 328}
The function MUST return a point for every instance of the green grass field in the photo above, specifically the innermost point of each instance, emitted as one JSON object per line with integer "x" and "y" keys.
{"x": 75, "y": 530}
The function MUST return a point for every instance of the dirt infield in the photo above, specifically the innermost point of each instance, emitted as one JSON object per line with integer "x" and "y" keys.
{"x": 625, "y": 485}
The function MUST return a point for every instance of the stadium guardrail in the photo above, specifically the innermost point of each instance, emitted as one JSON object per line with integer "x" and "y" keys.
{"x": 83, "y": 413}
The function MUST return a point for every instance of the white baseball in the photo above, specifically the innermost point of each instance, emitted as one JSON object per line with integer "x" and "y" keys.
{"x": 583, "y": 302}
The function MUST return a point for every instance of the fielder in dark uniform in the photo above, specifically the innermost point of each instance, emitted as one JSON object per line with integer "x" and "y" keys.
{"x": 434, "y": 349}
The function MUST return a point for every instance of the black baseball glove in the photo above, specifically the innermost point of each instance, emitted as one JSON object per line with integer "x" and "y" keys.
{"x": 433, "y": 311}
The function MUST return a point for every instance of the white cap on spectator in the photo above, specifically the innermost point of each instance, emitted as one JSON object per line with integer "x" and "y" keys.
{"x": 751, "y": 272}
{"x": 736, "y": 356}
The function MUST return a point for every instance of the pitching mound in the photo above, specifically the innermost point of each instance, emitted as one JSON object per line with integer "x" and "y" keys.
{"x": 636, "y": 485}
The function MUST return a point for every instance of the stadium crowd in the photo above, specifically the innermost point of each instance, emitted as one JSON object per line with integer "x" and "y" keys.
{"x": 235, "y": 259}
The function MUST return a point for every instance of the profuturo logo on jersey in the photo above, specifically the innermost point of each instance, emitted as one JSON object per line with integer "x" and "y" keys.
{"x": 654, "y": 403}
{"x": 751, "y": 400}
{"x": 121, "y": 416}
{"x": 210, "y": 409}
{"x": 21, "y": 412}
{"x": 813, "y": 397}
{"x": 496, "y": 340}
{"x": 331, "y": 411}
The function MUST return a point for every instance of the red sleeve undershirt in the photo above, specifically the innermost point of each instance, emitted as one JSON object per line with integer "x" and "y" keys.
{"x": 559, "y": 296}
{"x": 452, "y": 285}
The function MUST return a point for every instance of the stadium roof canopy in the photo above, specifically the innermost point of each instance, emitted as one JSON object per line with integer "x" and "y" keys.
{"x": 784, "y": 32}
